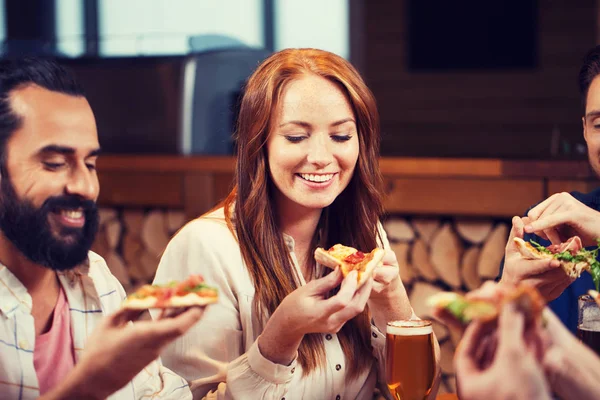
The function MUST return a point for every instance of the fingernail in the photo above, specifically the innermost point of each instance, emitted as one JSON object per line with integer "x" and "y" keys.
{"x": 528, "y": 228}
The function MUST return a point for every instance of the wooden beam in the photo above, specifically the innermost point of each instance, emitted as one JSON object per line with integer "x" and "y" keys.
{"x": 441, "y": 167}
{"x": 477, "y": 197}
{"x": 171, "y": 163}
{"x": 138, "y": 189}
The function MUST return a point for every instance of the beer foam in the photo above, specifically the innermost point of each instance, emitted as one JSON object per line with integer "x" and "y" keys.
{"x": 409, "y": 328}
{"x": 593, "y": 325}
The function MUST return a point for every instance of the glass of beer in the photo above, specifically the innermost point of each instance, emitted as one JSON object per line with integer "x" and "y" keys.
{"x": 588, "y": 326}
{"x": 410, "y": 359}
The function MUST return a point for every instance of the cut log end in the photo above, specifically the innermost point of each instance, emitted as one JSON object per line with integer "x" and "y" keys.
{"x": 446, "y": 251}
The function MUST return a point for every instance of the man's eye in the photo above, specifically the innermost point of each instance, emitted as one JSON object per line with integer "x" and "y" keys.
{"x": 295, "y": 139}
{"x": 91, "y": 167}
{"x": 51, "y": 165}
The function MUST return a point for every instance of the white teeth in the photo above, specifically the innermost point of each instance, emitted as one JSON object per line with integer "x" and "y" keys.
{"x": 317, "y": 178}
{"x": 73, "y": 214}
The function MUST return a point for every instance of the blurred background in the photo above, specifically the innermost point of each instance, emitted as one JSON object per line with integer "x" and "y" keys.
{"x": 479, "y": 104}
{"x": 453, "y": 79}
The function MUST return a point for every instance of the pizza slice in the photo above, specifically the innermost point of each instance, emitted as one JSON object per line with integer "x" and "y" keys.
{"x": 573, "y": 257}
{"x": 188, "y": 293}
{"x": 526, "y": 298}
{"x": 350, "y": 259}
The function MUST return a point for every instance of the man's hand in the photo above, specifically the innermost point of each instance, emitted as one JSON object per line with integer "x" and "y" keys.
{"x": 118, "y": 350}
{"x": 545, "y": 275}
{"x": 572, "y": 368}
{"x": 560, "y": 217}
{"x": 501, "y": 364}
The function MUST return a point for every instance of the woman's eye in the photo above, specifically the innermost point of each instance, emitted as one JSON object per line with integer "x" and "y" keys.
{"x": 295, "y": 139}
{"x": 341, "y": 138}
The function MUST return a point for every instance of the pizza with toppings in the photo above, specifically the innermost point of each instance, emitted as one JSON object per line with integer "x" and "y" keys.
{"x": 191, "y": 292}
{"x": 350, "y": 259}
{"x": 573, "y": 257}
{"x": 465, "y": 310}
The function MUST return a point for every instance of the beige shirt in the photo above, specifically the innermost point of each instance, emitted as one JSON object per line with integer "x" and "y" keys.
{"x": 219, "y": 355}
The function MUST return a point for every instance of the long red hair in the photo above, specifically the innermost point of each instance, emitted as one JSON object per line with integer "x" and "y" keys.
{"x": 351, "y": 219}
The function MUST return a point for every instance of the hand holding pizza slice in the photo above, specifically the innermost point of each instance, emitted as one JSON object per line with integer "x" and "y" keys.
{"x": 573, "y": 257}
{"x": 189, "y": 293}
{"x": 350, "y": 259}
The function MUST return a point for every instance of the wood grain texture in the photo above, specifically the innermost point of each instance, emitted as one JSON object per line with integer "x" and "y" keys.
{"x": 158, "y": 189}
{"x": 493, "y": 197}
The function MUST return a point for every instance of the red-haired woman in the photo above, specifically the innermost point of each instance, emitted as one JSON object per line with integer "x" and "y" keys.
{"x": 307, "y": 175}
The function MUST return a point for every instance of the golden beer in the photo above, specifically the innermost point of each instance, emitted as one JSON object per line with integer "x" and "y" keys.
{"x": 410, "y": 359}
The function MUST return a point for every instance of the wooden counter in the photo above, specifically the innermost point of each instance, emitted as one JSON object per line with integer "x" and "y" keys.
{"x": 467, "y": 187}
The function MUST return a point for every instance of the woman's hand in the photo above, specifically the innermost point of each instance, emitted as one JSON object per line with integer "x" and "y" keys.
{"x": 388, "y": 301}
{"x": 386, "y": 277}
{"x": 307, "y": 310}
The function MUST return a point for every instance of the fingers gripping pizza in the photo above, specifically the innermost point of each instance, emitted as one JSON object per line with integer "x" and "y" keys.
{"x": 350, "y": 259}
{"x": 573, "y": 258}
{"x": 191, "y": 292}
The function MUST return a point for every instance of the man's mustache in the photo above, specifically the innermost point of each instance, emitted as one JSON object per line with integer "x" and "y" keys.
{"x": 57, "y": 203}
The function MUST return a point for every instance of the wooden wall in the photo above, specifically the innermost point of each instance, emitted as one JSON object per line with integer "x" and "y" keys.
{"x": 484, "y": 113}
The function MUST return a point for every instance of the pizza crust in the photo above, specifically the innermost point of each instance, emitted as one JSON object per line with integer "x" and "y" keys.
{"x": 189, "y": 300}
{"x": 528, "y": 251}
{"x": 326, "y": 259}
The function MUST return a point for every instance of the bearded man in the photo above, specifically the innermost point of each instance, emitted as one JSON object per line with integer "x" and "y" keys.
{"x": 62, "y": 334}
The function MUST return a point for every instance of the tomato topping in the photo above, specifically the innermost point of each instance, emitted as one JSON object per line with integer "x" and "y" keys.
{"x": 163, "y": 295}
{"x": 355, "y": 258}
{"x": 194, "y": 280}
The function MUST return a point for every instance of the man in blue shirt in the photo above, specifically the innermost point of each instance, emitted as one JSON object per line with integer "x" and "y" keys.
{"x": 562, "y": 216}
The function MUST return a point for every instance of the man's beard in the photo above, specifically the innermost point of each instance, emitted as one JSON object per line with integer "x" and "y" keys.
{"x": 28, "y": 228}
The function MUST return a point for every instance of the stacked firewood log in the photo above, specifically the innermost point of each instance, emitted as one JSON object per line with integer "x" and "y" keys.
{"x": 132, "y": 241}
{"x": 445, "y": 254}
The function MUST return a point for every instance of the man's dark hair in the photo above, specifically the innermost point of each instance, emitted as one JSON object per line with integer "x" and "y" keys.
{"x": 589, "y": 70}
{"x": 19, "y": 73}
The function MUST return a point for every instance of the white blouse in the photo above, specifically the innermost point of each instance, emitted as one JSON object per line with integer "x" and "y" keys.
{"x": 219, "y": 356}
